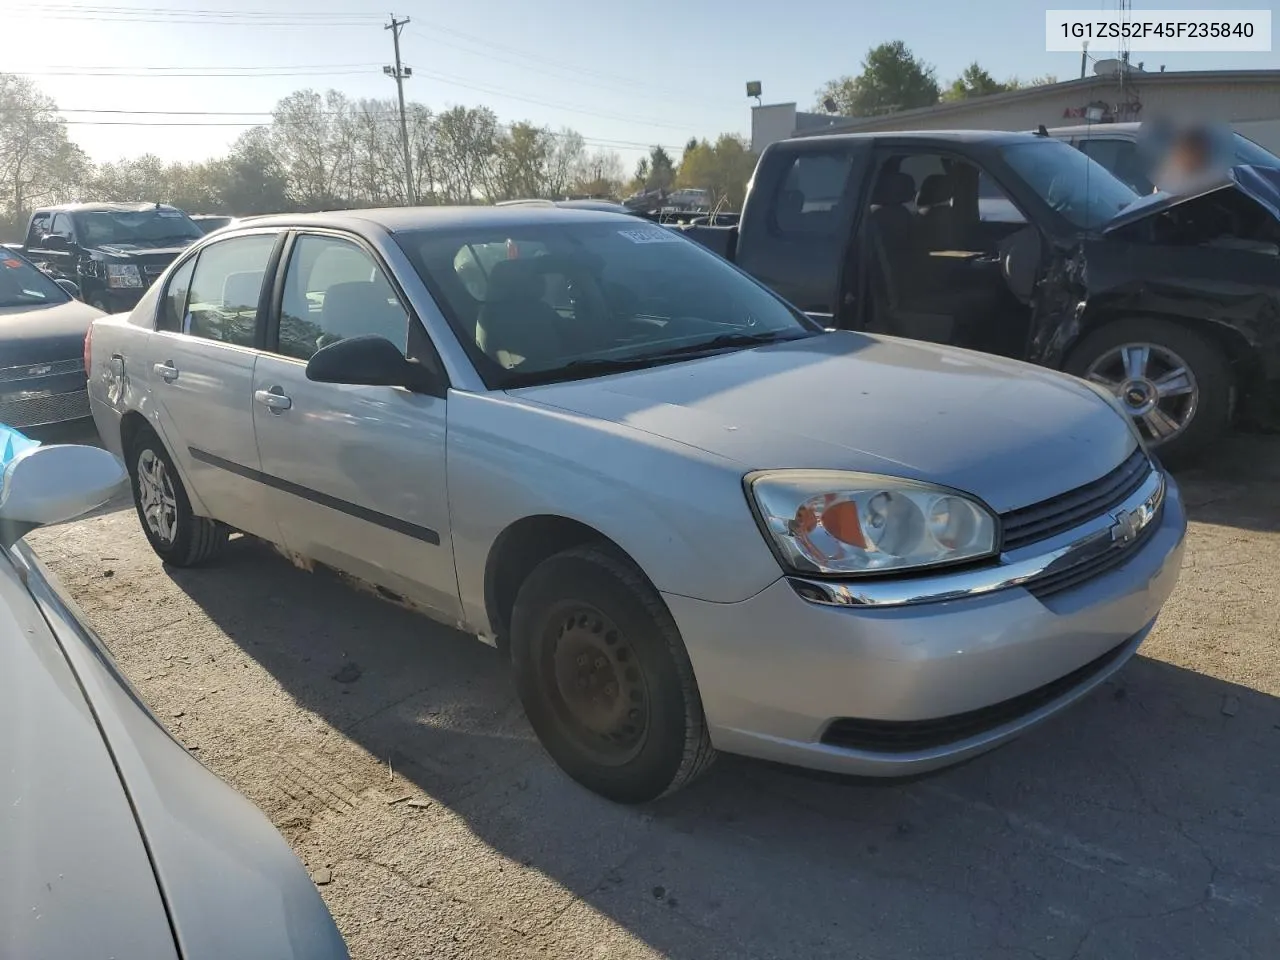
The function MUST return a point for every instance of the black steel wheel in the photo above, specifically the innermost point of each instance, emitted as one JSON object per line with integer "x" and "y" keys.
{"x": 591, "y": 679}
{"x": 605, "y": 678}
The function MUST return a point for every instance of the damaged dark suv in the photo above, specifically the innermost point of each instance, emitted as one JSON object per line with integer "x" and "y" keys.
{"x": 1019, "y": 245}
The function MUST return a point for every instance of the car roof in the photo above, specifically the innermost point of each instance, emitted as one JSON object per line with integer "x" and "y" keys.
{"x": 1095, "y": 130}
{"x": 400, "y": 219}
{"x": 106, "y": 207}
{"x": 960, "y": 136}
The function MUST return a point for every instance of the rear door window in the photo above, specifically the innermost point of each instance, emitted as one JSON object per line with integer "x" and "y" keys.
{"x": 223, "y": 301}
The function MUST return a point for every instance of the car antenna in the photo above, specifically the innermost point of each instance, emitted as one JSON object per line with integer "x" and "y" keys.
{"x": 1042, "y": 131}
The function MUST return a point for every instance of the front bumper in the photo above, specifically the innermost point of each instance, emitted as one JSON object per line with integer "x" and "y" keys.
{"x": 777, "y": 671}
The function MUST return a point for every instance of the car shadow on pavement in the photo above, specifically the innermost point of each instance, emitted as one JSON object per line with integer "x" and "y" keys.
{"x": 1143, "y": 822}
{"x": 1237, "y": 484}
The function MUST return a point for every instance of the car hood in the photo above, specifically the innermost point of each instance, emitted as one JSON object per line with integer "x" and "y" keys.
{"x": 1007, "y": 432}
{"x": 142, "y": 250}
{"x": 77, "y": 881}
{"x": 40, "y": 334}
{"x": 1259, "y": 184}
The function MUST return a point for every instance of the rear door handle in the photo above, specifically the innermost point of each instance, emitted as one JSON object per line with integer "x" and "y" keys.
{"x": 273, "y": 399}
{"x": 166, "y": 371}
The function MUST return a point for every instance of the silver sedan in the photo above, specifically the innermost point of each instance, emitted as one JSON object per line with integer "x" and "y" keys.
{"x": 692, "y": 519}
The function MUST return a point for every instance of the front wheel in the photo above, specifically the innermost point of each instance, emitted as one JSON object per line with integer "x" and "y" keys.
{"x": 605, "y": 679}
{"x": 175, "y": 533}
{"x": 1175, "y": 383}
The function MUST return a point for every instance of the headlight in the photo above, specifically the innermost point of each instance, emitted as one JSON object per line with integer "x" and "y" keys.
{"x": 123, "y": 275}
{"x": 824, "y": 521}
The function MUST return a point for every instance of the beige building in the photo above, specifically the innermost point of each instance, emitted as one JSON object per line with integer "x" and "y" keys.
{"x": 1247, "y": 99}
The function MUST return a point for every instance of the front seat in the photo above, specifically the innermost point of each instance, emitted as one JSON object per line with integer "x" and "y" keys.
{"x": 516, "y": 326}
{"x": 936, "y": 216}
{"x": 902, "y": 265}
{"x": 362, "y": 308}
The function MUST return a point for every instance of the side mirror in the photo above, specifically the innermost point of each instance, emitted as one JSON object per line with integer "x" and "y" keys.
{"x": 44, "y": 485}
{"x": 72, "y": 288}
{"x": 55, "y": 241}
{"x": 369, "y": 361}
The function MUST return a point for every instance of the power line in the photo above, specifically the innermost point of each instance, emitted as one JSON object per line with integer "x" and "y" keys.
{"x": 158, "y": 76}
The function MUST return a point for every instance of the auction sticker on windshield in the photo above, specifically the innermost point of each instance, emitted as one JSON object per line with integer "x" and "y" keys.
{"x": 1192, "y": 31}
{"x": 650, "y": 235}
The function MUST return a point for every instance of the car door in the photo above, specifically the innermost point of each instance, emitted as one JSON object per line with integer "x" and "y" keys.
{"x": 800, "y": 230}
{"x": 200, "y": 370}
{"x": 357, "y": 472}
{"x": 62, "y": 262}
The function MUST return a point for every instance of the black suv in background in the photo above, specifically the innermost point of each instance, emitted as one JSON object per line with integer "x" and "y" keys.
{"x": 111, "y": 251}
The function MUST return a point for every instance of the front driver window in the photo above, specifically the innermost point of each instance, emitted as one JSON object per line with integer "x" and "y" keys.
{"x": 334, "y": 289}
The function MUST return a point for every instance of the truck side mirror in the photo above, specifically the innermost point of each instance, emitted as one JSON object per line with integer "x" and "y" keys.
{"x": 55, "y": 241}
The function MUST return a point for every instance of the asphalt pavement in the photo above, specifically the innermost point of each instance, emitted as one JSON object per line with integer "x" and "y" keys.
{"x": 393, "y": 755}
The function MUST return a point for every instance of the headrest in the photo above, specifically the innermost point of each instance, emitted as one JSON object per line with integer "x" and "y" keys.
{"x": 240, "y": 290}
{"x": 893, "y": 186}
{"x": 356, "y": 299}
{"x": 936, "y": 188}
{"x": 515, "y": 280}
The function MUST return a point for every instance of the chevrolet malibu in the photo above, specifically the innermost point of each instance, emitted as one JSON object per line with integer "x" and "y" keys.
{"x": 692, "y": 519}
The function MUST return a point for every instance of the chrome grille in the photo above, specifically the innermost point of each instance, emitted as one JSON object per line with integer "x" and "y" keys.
{"x": 31, "y": 371}
{"x": 38, "y": 411}
{"x": 1066, "y": 511}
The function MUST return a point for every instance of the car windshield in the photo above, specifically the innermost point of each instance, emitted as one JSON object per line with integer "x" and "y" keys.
{"x": 1081, "y": 191}
{"x": 1251, "y": 154}
{"x": 22, "y": 285}
{"x": 149, "y": 227}
{"x": 537, "y": 302}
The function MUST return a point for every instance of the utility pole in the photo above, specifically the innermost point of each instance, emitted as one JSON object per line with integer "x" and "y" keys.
{"x": 401, "y": 73}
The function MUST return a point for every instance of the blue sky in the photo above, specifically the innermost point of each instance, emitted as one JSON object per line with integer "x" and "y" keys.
{"x": 621, "y": 74}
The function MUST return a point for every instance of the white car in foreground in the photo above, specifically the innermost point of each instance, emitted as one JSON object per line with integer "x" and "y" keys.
{"x": 694, "y": 520}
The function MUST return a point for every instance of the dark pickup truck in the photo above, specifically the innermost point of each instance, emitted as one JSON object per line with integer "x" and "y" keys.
{"x": 111, "y": 251}
{"x": 1019, "y": 245}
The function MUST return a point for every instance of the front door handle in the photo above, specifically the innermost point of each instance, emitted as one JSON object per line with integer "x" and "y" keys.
{"x": 273, "y": 399}
{"x": 166, "y": 371}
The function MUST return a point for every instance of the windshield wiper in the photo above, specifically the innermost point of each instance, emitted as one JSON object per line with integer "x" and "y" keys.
{"x": 727, "y": 341}
{"x": 593, "y": 366}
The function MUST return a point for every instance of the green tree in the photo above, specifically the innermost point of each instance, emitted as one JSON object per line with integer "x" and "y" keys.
{"x": 723, "y": 168}
{"x": 977, "y": 82}
{"x": 251, "y": 179}
{"x": 38, "y": 162}
{"x": 892, "y": 79}
{"x": 662, "y": 170}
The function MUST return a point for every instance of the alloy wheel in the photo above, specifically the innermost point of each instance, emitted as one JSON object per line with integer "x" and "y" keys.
{"x": 155, "y": 494}
{"x": 1154, "y": 385}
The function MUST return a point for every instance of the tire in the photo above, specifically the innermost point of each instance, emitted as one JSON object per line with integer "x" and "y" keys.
{"x": 178, "y": 536}
{"x": 1204, "y": 414}
{"x": 587, "y": 618}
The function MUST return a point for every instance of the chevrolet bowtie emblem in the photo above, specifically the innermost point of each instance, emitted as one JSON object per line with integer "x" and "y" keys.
{"x": 1126, "y": 527}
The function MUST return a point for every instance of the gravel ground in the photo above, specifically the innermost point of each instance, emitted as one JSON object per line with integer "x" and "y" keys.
{"x": 394, "y": 756}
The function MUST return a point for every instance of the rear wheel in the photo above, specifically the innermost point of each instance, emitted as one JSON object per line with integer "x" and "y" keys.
{"x": 1175, "y": 383}
{"x": 605, "y": 678}
{"x": 176, "y": 534}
